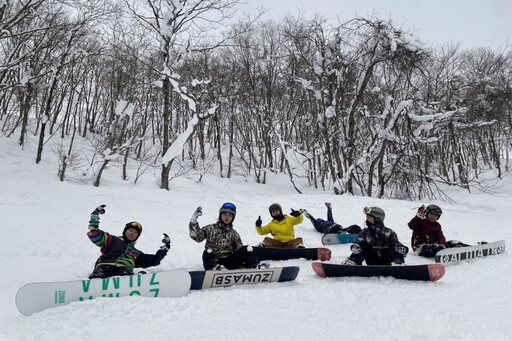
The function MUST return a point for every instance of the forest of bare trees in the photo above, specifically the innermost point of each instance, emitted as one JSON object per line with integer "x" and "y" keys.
{"x": 179, "y": 86}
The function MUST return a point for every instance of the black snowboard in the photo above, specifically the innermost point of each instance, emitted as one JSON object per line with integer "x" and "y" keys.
{"x": 226, "y": 278}
{"x": 423, "y": 272}
{"x": 275, "y": 253}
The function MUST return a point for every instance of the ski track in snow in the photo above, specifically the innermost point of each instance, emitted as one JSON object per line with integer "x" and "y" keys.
{"x": 44, "y": 225}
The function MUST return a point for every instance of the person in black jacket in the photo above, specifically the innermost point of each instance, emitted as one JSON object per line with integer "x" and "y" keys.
{"x": 118, "y": 254}
{"x": 377, "y": 244}
{"x": 329, "y": 226}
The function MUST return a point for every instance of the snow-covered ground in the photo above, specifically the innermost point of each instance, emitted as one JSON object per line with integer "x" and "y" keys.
{"x": 44, "y": 223}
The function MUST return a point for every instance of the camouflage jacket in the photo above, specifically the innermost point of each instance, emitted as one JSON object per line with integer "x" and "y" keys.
{"x": 222, "y": 239}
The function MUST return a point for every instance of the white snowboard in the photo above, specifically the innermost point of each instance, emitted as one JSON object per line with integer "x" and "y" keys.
{"x": 36, "y": 297}
{"x": 455, "y": 255}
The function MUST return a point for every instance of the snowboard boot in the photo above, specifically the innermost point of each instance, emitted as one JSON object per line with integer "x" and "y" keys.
{"x": 353, "y": 229}
{"x": 306, "y": 213}
{"x": 455, "y": 243}
{"x": 219, "y": 267}
{"x": 335, "y": 229}
{"x": 430, "y": 250}
{"x": 348, "y": 261}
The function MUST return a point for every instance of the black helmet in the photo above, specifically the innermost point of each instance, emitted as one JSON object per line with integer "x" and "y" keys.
{"x": 434, "y": 209}
{"x": 273, "y": 206}
{"x": 133, "y": 224}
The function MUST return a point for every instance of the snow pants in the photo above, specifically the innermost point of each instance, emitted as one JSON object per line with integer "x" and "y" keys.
{"x": 269, "y": 242}
{"x": 104, "y": 271}
{"x": 238, "y": 259}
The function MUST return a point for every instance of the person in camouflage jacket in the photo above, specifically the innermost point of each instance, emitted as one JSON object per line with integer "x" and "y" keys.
{"x": 223, "y": 247}
{"x": 118, "y": 254}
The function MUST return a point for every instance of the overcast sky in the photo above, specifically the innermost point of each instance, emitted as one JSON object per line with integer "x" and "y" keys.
{"x": 473, "y": 23}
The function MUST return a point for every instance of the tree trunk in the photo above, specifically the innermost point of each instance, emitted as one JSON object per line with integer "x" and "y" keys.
{"x": 100, "y": 172}
{"x": 166, "y": 169}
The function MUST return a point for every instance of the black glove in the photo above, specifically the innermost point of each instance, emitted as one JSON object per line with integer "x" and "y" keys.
{"x": 258, "y": 222}
{"x": 294, "y": 213}
{"x": 167, "y": 243}
{"x": 99, "y": 210}
{"x": 160, "y": 254}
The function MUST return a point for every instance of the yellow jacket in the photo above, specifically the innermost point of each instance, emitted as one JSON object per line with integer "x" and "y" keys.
{"x": 281, "y": 230}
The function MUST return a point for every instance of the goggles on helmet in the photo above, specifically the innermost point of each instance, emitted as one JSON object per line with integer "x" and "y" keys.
{"x": 230, "y": 206}
{"x": 434, "y": 209}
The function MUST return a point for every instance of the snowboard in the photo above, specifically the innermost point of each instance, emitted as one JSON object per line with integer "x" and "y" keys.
{"x": 277, "y": 253}
{"x": 455, "y": 255}
{"x": 423, "y": 272}
{"x": 35, "y": 297}
{"x": 338, "y": 238}
{"x": 226, "y": 278}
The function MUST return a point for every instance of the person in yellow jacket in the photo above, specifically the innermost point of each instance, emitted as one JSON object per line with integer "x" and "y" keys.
{"x": 281, "y": 228}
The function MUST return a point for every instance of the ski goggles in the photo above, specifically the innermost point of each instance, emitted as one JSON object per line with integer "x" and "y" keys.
{"x": 433, "y": 209}
{"x": 229, "y": 205}
{"x": 367, "y": 210}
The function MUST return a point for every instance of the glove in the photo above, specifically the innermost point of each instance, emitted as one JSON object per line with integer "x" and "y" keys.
{"x": 294, "y": 213}
{"x": 258, "y": 221}
{"x": 198, "y": 212}
{"x": 328, "y": 204}
{"x": 160, "y": 254}
{"x": 167, "y": 243}
{"x": 421, "y": 211}
{"x": 99, "y": 210}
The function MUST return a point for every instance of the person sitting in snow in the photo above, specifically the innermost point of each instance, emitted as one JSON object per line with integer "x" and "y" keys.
{"x": 377, "y": 244}
{"x": 223, "y": 248}
{"x": 427, "y": 236}
{"x": 281, "y": 228}
{"x": 118, "y": 254}
{"x": 329, "y": 226}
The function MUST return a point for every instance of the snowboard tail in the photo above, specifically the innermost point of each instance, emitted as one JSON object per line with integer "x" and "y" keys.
{"x": 274, "y": 253}
{"x": 455, "y": 255}
{"x": 423, "y": 272}
{"x": 36, "y": 297}
{"x": 224, "y": 278}
{"x": 338, "y": 238}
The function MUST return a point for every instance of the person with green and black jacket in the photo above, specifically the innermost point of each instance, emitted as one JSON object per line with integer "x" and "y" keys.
{"x": 119, "y": 256}
{"x": 223, "y": 248}
{"x": 377, "y": 244}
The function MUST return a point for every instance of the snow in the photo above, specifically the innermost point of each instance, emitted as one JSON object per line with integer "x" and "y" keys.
{"x": 44, "y": 225}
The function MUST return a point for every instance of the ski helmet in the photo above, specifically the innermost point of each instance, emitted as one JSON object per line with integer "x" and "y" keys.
{"x": 434, "y": 209}
{"x": 376, "y": 212}
{"x": 228, "y": 208}
{"x": 133, "y": 224}
{"x": 275, "y": 206}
